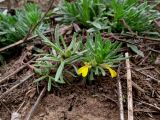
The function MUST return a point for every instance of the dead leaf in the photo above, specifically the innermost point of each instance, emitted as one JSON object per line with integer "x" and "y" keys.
{"x": 76, "y": 27}
{"x": 157, "y": 22}
{"x": 65, "y": 29}
{"x": 31, "y": 93}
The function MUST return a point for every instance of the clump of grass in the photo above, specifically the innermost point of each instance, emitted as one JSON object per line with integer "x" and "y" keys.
{"x": 14, "y": 28}
{"x": 138, "y": 16}
{"x": 62, "y": 61}
{"x": 108, "y": 15}
{"x": 88, "y": 13}
{"x": 100, "y": 57}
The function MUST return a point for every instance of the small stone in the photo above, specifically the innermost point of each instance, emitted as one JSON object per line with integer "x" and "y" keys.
{"x": 2, "y": 1}
{"x": 42, "y": 115}
{"x": 15, "y": 116}
{"x": 157, "y": 62}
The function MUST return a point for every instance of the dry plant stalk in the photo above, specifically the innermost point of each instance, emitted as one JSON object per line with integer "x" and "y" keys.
{"x": 15, "y": 86}
{"x": 129, "y": 88}
{"x": 16, "y": 71}
{"x": 120, "y": 97}
{"x": 31, "y": 112}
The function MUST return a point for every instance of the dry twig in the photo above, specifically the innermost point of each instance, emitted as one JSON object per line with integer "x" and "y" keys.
{"x": 152, "y": 106}
{"x": 145, "y": 58}
{"x": 129, "y": 89}
{"x": 31, "y": 112}
{"x": 145, "y": 111}
{"x": 141, "y": 37}
{"x": 156, "y": 80}
{"x": 120, "y": 96}
{"x": 137, "y": 87}
{"x": 14, "y": 87}
{"x": 16, "y": 71}
{"x": 22, "y": 41}
{"x": 157, "y": 71}
{"x": 6, "y": 107}
{"x": 128, "y": 27}
{"x": 157, "y": 51}
{"x": 20, "y": 106}
{"x": 115, "y": 37}
{"x": 145, "y": 68}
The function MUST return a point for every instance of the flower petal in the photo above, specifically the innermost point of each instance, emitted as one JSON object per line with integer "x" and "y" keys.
{"x": 80, "y": 70}
{"x": 112, "y": 72}
{"x": 83, "y": 70}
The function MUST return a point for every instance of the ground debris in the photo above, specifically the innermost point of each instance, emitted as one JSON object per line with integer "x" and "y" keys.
{"x": 15, "y": 116}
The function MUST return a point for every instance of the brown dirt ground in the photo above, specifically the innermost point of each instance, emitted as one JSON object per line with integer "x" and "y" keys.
{"x": 98, "y": 101}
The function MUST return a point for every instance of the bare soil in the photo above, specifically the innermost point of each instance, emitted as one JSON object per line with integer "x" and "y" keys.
{"x": 97, "y": 101}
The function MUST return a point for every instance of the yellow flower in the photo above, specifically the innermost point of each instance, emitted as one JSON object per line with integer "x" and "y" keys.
{"x": 112, "y": 72}
{"x": 84, "y": 70}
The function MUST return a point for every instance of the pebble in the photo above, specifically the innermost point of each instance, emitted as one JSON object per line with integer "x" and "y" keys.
{"x": 2, "y": 1}
{"x": 157, "y": 62}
